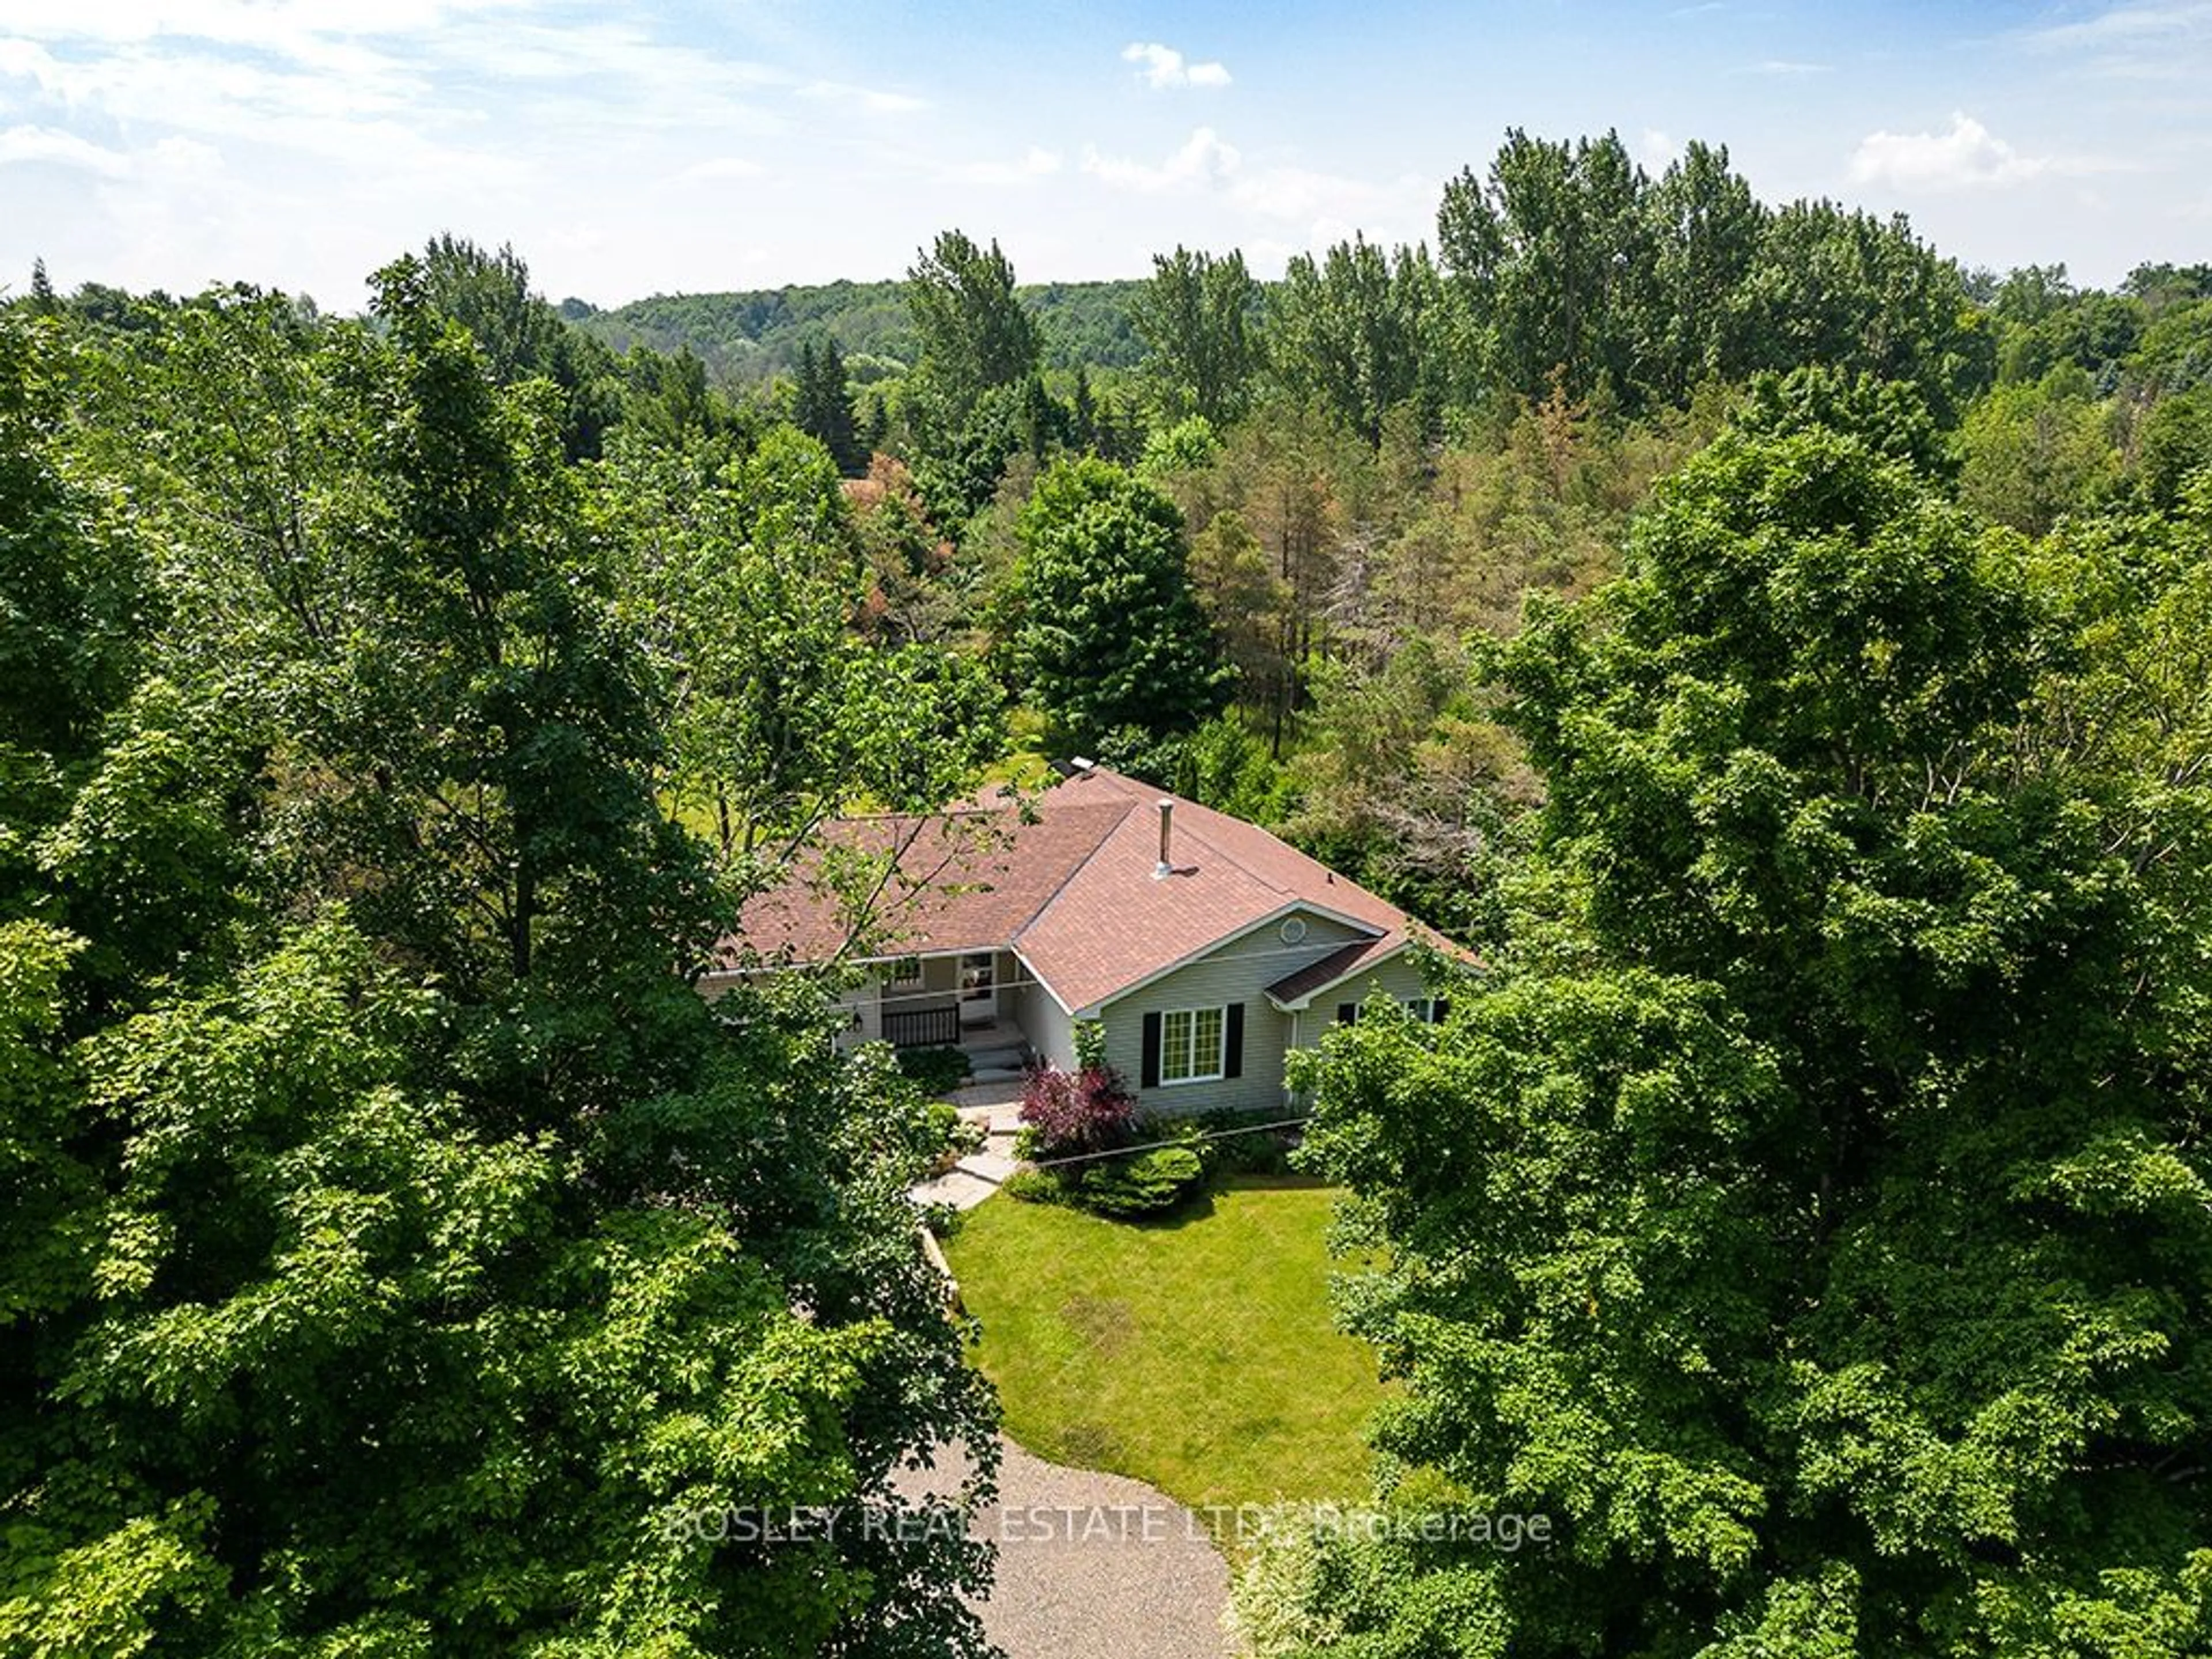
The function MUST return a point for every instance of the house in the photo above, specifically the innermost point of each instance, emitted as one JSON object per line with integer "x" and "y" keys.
{"x": 1205, "y": 948}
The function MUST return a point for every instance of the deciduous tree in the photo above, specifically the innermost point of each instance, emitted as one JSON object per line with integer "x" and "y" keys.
{"x": 401, "y": 1257}
{"x": 1105, "y": 633}
{"x": 1199, "y": 318}
{"x": 1808, "y": 1216}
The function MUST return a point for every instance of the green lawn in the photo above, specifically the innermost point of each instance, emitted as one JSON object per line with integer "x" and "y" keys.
{"x": 1195, "y": 1354}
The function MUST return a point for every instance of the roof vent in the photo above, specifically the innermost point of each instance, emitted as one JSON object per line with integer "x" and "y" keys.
{"x": 1166, "y": 866}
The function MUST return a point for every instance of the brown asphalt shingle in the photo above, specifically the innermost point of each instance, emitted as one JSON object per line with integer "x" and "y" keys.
{"x": 1070, "y": 884}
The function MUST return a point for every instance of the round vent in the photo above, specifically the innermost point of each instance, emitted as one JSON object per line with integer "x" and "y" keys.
{"x": 1293, "y": 930}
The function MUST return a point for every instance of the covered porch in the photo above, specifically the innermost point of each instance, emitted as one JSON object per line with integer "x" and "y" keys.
{"x": 965, "y": 999}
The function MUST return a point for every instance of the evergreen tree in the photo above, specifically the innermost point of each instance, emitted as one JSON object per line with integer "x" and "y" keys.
{"x": 822, "y": 406}
{"x": 1083, "y": 414}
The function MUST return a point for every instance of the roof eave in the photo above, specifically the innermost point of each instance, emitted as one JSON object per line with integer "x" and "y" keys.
{"x": 1097, "y": 1005}
{"x": 1299, "y": 1004}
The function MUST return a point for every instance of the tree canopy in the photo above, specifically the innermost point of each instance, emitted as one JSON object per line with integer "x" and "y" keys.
{"x": 402, "y": 1257}
{"x": 1107, "y": 633}
{"x": 1808, "y": 1213}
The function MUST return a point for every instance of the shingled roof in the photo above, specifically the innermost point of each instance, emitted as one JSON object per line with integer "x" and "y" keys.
{"x": 1068, "y": 883}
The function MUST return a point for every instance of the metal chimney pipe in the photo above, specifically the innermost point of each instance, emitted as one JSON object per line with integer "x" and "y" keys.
{"x": 1166, "y": 866}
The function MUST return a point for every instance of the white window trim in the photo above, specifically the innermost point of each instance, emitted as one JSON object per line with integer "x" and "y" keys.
{"x": 1220, "y": 1047}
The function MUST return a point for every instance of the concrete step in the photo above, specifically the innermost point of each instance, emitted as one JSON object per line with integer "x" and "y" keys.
{"x": 994, "y": 1074}
{"x": 956, "y": 1187}
{"x": 997, "y": 1060}
{"x": 968, "y": 1183}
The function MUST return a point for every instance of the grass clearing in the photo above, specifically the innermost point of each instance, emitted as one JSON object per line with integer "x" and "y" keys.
{"x": 1196, "y": 1355}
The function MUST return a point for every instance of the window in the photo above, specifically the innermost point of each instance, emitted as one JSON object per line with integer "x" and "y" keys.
{"x": 1429, "y": 1011}
{"x": 1191, "y": 1045}
{"x": 907, "y": 971}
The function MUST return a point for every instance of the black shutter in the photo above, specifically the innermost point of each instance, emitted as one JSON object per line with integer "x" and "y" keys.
{"x": 1346, "y": 1013}
{"x": 1233, "y": 1064}
{"x": 1152, "y": 1072}
{"x": 1443, "y": 1007}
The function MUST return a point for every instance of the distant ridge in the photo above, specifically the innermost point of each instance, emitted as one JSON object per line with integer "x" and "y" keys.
{"x": 757, "y": 333}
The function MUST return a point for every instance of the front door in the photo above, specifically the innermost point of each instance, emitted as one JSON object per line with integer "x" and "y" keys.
{"x": 978, "y": 989}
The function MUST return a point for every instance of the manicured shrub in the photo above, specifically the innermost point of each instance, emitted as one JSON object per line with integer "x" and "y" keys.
{"x": 1035, "y": 1187}
{"x": 1147, "y": 1184}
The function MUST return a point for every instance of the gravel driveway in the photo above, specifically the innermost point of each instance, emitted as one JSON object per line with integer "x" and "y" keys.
{"x": 1097, "y": 1566}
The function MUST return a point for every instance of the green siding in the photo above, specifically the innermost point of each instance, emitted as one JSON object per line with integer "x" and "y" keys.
{"x": 1239, "y": 971}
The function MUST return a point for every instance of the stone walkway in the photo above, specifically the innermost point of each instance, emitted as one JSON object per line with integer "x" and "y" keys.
{"x": 1095, "y": 1566}
{"x": 992, "y": 1105}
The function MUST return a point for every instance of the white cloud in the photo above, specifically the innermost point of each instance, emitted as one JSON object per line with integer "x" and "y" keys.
{"x": 326, "y": 34}
{"x": 2166, "y": 42}
{"x": 1317, "y": 208}
{"x": 1038, "y": 163}
{"x": 722, "y": 166}
{"x": 26, "y": 60}
{"x": 1163, "y": 67}
{"x": 867, "y": 98}
{"x": 1202, "y": 158}
{"x": 172, "y": 160}
{"x": 178, "y": 159}
{"x": 28, "y": 144}
{"x": 1294, "y": 193}
{"x": 463, "y": 102}
{"x": 1788, "y": 66}
{"x": 1657, "y": 149}
{"x": 1968, "y": 156}
{"x": 1328, "y": 206}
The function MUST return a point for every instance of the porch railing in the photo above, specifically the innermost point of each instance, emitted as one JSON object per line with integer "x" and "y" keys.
{"x": 922, "y": 1028}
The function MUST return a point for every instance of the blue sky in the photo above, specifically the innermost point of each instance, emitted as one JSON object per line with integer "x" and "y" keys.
{"x": 627, "y": 148}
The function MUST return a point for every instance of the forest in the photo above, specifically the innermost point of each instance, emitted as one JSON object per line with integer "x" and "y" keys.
{"x": 1784, "y": 654}
{"x": 747, "y": 338}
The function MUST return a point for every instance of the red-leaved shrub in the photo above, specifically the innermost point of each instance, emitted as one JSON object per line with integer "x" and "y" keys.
{"x": 1087, "y": 1111}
